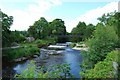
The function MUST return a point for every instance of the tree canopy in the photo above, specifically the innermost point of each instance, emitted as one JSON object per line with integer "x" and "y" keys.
{"x": 42, "y": 29}
{"x": 39, "y": 29}
{"x": 6, "y": 23}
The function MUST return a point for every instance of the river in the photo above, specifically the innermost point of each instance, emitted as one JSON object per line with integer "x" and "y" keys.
{"x": 70, "y": 56}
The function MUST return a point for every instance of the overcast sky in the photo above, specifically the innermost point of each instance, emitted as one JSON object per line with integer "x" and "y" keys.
{"x": 25, "y": 12}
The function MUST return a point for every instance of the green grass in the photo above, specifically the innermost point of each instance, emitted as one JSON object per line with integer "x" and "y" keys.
{"x": 14, "y": 53}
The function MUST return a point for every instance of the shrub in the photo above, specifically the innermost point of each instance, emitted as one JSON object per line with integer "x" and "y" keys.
{"x": 38, "y": 41}
{"x": 34, "y": 50}
{"x": 104, "y": 40}
{"x": 72, "y": 45}
{"x": 103, "y": 69}
{"x": 41, "y": 43}
{"x": 81, "y": 43}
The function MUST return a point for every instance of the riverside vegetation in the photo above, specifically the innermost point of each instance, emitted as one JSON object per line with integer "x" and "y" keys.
{"x": 102, "y": 40}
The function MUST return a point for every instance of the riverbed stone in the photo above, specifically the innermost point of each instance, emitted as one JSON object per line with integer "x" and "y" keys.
{"x": 43, "y": 54}
{"x": 115, "y": 65}
{"x": 35, "y": 56}
{"x": 30, "y": 39}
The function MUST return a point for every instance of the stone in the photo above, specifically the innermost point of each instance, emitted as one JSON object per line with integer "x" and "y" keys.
{"x": 115, "y": 65}
{"x": 35, "y": 56}
{"x": 30, "y": 39}
{"x": 43, "y": 54}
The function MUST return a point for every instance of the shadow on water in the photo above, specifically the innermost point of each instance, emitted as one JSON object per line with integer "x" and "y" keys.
{"x": 70, "y": 56}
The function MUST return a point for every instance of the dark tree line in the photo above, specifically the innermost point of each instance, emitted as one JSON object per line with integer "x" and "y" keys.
{"x": 42, "y": 29}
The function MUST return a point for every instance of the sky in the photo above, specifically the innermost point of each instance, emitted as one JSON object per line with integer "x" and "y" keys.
{"x": 26, "y": 12}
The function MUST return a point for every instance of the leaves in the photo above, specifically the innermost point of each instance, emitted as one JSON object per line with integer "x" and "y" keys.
{"x": 103, "y": 69}
{"x": 54, "y": 71}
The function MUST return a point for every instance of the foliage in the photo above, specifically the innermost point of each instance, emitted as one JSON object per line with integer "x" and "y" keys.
{"x": 57, "y": 28}
{"x": 24, "y": 33}
{"x": 112, "y": 19}
{"x": 9, "y": 36}
{"x": 43, "y": 43}
{"x": 17, "y": 37}
{"x": 82, "y": 31}
{"x": 79, "y": 30}
{"x": 104, "y": 40}
{"x": 14, "y": 44}
{"x": 6, "y": 33}
{"x": 72, "y": 45}
{"x": 88, "y": 31}
{"x": 54, "y": 71}
{"x": 103, "y": 69}
{"x": 39, "y": 29}
{"x": 13, "y": 53}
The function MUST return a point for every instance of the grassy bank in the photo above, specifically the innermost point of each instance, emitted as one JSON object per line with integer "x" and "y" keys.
{"x": 14, "y": 53}
{"x": 26, "y": 49}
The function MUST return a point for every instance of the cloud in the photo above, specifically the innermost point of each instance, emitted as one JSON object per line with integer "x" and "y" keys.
{"x": 43, "y": 5}
{"x": 26, "y": 17}
{"x": 16, "y": 1}
{"x": 88, "y": 0}
{"x": 21, "y": 20}
{"x": 92, "y": 15}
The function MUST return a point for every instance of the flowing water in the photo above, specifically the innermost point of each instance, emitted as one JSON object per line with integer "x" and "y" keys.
{"x": 69, "y": 56}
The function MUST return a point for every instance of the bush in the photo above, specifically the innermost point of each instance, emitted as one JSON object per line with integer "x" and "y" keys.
{"x": 72, "y": 45}
{"x": 38, "y": 41}
{"x": 103, "y": 69}
{"x": 104, "y": 40}
{"x": 41, "y": 43}
{"x": 81, "y": 43}
{"x": 21, "y": 38}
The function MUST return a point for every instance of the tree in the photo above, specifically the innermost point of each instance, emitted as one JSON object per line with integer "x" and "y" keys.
{"x": 24, "y": 33}
{"x": 89, "y": 31}
{"x": 79, "y": 31}
{"x": 57, "y": 28}
{"x": 17, "y": 36}
{"x": 39, "y": 29}
{"x": 104, "y": 40}
{"x": 6, "y": 33}
{"x": 112, "y": 19}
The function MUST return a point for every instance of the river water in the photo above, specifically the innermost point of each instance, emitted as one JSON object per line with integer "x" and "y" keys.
{"x": 68, "y": 55}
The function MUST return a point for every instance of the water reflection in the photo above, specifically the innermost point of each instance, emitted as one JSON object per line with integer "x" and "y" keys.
{"x": 74, "y": 59}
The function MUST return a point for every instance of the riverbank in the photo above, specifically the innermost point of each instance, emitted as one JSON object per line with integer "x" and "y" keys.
{"x": 80, "y": 47}
{"x": 77, "y": 48}
{"x": 71, "y": 57}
